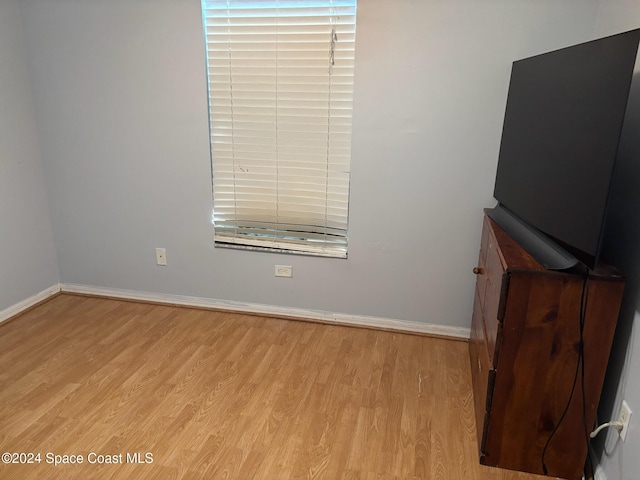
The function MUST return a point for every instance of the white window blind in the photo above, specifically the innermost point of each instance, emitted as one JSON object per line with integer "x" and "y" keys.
{"x": 280, "y": 78}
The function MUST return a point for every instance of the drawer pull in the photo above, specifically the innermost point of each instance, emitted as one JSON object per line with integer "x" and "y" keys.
{"x": 478, "y": 270}
{"x": 479, "y": 366}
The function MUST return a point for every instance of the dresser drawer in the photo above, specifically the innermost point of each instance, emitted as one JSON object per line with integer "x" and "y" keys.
{"x": 493, "y": 306}
{"x": 482, "y": 374}
{"x": 481, "y": 269}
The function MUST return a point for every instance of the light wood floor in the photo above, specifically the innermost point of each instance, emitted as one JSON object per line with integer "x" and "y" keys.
{"x": 219, "y": 396}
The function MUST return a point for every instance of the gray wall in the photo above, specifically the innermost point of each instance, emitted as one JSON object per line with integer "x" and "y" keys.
{"x": 27, "y": 255}
{"x": 121, "y": 109}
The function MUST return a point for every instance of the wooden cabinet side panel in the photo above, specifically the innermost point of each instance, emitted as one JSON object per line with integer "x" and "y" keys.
{"x": 535, "y": 370}
{"x": 603, "y": 302}
{"x": 603, "y": 309}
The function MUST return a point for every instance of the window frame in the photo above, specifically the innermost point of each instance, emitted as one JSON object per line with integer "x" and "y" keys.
{"x": 322, "y": 233}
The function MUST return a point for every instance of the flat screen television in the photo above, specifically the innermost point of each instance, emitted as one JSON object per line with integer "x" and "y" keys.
{"x": 564, "y": 115}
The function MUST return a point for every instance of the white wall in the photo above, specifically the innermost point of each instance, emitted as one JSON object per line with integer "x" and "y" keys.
{"x": 620, "y": 461}
{"x": 121, "y": 109}
{"x": 27, "y": 255}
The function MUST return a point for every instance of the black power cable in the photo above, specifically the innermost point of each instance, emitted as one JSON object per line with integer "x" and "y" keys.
{"x": 583, "y": 310}
{"x": 579, "y": 368}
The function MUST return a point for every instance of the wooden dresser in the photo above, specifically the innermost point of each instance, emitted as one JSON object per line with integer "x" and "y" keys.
{"x": 524, "y": 349}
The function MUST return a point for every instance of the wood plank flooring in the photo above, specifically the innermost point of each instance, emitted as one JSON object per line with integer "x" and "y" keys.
{"x": 211, "y": 395}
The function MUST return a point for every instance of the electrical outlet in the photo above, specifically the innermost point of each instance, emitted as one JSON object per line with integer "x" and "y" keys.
{"x": 625, "y": 418}
{"x": 284, "y": 271}
{"x": 161, "y": 256}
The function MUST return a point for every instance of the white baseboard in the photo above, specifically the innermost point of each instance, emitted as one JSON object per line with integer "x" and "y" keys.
{"x": 598, "y": 471}
{"x": 20, "y": 307}
{"x": 286, "y": 312}
{"x": 599, "y": 474}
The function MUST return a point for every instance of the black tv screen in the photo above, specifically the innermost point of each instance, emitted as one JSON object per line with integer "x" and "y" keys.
{"x": 562, "y": 125}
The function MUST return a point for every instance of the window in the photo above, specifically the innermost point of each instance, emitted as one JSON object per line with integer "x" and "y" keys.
{"x": 280, "y": 78}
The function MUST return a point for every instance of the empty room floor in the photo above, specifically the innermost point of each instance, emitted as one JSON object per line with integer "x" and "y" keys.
{"x": 135, "y": 390}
